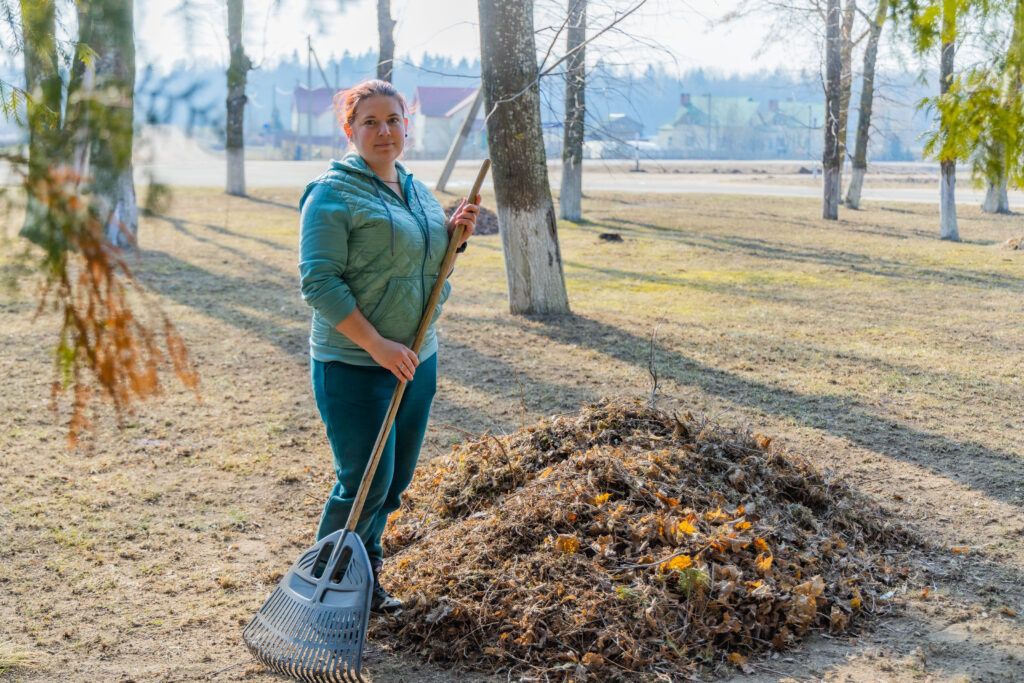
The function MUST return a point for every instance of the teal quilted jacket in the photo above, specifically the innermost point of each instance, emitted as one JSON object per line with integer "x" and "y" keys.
{"x": 360, "y": 245}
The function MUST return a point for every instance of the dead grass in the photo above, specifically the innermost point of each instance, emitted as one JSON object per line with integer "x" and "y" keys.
{"x": 868, "y": 345}
{"x": 12, "y": 657}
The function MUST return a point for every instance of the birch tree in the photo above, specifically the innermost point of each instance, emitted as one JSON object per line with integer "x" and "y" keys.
{"x": 948, "y": 229}
{"x": 526, "y": 213}
{"x": 570, "y": 197}
{"x": 867, "y": 96}
{"x": 238, "y": 74}
{"x": 831, "y": 160}
{"x": 386, "y": 33}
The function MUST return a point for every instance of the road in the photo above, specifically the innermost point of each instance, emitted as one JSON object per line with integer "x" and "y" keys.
{"x": 892, "y": 183}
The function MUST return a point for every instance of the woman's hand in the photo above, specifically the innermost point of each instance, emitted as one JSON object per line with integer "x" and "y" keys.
{"x": 396, "y": 357}
{"x": 465, "y": 215}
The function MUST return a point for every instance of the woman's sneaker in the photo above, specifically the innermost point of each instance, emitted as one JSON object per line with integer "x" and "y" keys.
{"x": 383, "y": 602}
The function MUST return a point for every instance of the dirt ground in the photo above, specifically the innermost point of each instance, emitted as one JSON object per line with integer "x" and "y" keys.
{"x": 891, "y": 358}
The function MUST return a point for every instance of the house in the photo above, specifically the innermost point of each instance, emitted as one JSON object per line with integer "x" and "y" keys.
{"x": 435, "y": 118}
{"x": 791, "y": 130}
{"x": 712, "y": 127}
{"x": 313, "y": 117}
{"x": 619, "y": 128}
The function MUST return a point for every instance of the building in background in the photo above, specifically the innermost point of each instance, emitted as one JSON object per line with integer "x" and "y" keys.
{"x": 435, "y": 117}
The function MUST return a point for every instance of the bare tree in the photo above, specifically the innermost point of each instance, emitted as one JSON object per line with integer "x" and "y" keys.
{"x": 867, "y": 94}
{"x": 238, "y": 73}
{"x": 526, "y": 213}
{"x": 845, "y": 79}
{"x": 947, "y": 162}
{"x": 108, "y": 73}
{"x": 386, "y": 31}
{"x": 831, "y": 160}
{"x": 570, "y": 197}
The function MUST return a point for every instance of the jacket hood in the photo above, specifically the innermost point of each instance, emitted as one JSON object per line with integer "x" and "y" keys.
{"x": 354, "y": 163}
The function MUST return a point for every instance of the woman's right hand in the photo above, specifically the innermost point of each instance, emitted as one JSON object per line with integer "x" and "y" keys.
{"x": 396, "y": 357}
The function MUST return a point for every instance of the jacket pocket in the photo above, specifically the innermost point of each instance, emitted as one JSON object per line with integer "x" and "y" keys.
{"x": 397, "y": 313}
{"x": 446, "y": 290}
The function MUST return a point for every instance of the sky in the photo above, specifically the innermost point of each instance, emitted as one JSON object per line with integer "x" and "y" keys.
{"x": 677, "y": 33}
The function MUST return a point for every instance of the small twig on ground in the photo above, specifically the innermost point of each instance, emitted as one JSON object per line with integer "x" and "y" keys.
{"x": 652, "y": 368}
{"x": 218, "y": 672}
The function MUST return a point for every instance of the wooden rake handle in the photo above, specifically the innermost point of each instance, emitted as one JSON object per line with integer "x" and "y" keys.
{"x": 421, "y": 333}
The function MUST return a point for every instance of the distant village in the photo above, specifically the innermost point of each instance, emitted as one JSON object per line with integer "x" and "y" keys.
{"x": 703, "y": 127}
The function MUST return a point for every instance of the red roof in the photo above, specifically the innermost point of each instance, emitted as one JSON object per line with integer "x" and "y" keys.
{"x": 315, "y": 101}
{"x": 437, "y": 100}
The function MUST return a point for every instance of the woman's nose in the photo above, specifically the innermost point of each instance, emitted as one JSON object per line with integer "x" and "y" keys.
{"x": 382, "y": 129}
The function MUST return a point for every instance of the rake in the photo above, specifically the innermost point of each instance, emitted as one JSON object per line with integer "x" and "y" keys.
{"x": 313, "y": 626}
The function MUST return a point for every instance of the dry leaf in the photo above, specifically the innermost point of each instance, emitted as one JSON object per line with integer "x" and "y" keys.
{"x": 679, "y": 563}
{"x": 740, "y": 662}
{"x": 601, "y": 498}
{"x": 685, "y": 527}
{"x": 960, "y": 549}
{"x": 763, "y": 563}
{"x": 761, "y": 544}
{"x": 567, "y": 543}
{"x": 838, "y": 620}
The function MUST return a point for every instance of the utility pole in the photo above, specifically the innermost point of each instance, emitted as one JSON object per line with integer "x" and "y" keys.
{"x": 460, "y": 139}
{"x": 309, "y": 97}
{"x": 708, "y": 95}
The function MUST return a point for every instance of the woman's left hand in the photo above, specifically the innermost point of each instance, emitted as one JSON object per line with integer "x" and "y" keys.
{"x": 465, "y": 215}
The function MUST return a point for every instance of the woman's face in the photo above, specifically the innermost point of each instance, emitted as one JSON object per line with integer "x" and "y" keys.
{"x": 378, "y": 129}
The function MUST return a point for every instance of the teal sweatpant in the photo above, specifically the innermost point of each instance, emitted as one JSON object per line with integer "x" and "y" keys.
{"x": 353, "y": 400}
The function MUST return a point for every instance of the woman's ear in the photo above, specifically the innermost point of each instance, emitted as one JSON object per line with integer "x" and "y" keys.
{"x": 348, "y": 130}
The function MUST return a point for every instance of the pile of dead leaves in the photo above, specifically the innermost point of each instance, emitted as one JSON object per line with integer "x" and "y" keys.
{"x": 486, "y": 222}
{"x": 625, "y": 543}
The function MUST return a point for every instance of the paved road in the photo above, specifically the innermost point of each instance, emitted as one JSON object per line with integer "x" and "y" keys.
{"x": 683, "y": 177}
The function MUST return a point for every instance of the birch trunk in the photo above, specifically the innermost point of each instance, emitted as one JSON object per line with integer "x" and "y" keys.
{"x": 238, "y": 73}
{"x": 948, "y": 229}
{"x": 107, "y": 27}
{"x": 526, "y": 214}
{"x": 845, "y": 79}
{"x": 386, "y": 33}
{"x": 867, "y": 97}
{"x": 571, "y": 195}
{"x": 831, "y": 161}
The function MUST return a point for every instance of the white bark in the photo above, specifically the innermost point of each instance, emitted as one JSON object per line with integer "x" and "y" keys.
{"x": 533, "y": 265}
{"x": 996, "y": 199}
{"x": 236, "y": 171}
{"x": 570, "y": 197}
{"x": 947, "y": 203}
{"x": 856, "y": 186}
{"x": 124, "y": 214}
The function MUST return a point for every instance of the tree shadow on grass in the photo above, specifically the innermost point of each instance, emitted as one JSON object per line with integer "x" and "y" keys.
{"x": 824, "y": 256}
{"x": 181, "y": 225}
{"x": 267, "y": 305}
{"x": 998, "y": 474}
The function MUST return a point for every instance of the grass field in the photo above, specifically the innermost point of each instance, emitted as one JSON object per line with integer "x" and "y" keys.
{"x": 891, "y": 358}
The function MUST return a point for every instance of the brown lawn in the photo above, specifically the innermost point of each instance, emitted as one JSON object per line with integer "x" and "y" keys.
{"x": 890, "y": 357}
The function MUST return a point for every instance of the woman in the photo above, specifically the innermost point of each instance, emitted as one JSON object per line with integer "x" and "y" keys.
{"x": 372, "y": 240}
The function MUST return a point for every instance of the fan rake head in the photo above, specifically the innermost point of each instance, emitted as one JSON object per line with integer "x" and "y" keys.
{"x": 313, "y": 626}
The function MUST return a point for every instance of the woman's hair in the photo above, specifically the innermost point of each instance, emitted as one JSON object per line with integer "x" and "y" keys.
{"x": 346, "y": 101}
